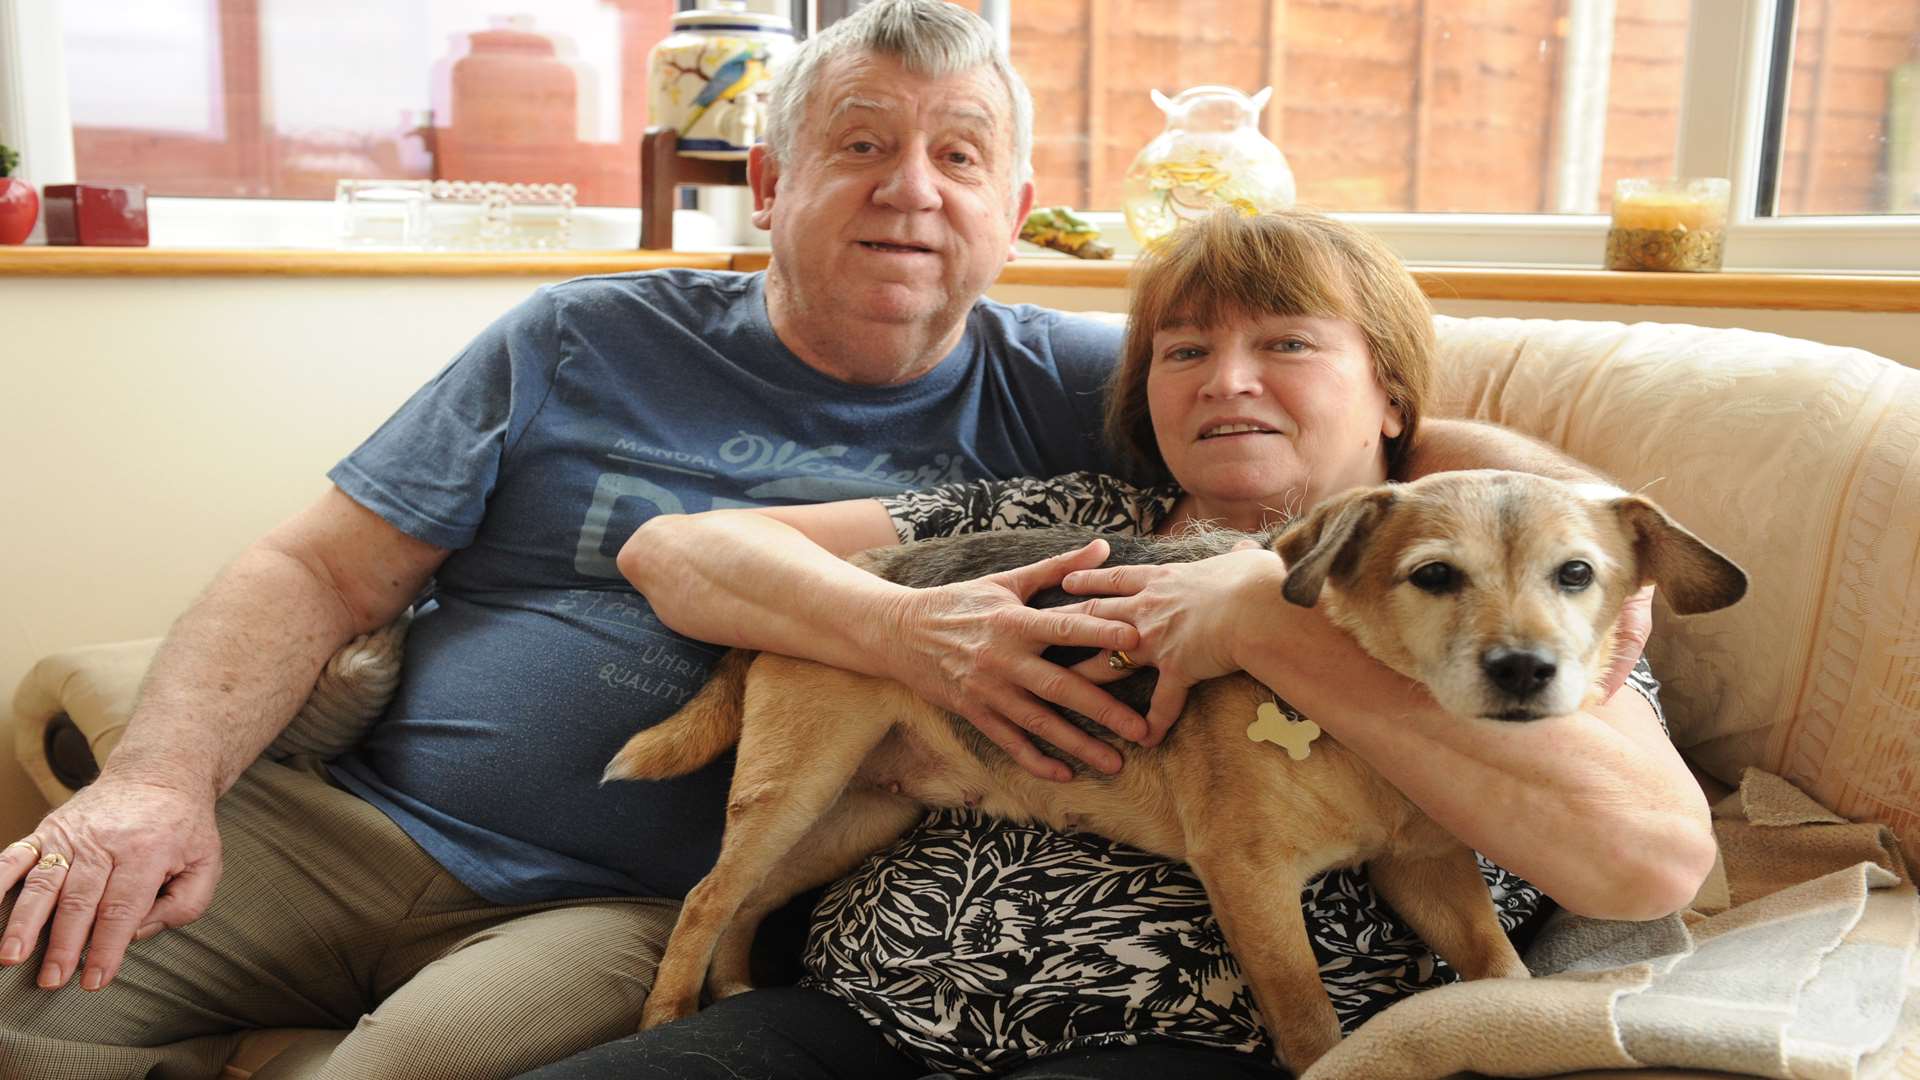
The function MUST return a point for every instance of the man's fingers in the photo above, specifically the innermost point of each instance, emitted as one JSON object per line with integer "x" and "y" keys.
{"x": 39, "y": 889}
{"x": 73, "y": 915}
{"x": 1169, "y": 698}
{"x": 125, "y": 905}
{"x": 1024, "y": 581}
{"x": 182, "y": 900}
{"x": 15, "y": 861}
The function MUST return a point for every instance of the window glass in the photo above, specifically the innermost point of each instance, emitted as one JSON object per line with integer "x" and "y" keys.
{"x": 1851, "y": 136}
{"x": 282, "y": 98}
{"x": 1504, "y": 106}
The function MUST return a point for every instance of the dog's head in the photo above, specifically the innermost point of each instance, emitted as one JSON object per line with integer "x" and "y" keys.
{"x": 1497, "y": 590}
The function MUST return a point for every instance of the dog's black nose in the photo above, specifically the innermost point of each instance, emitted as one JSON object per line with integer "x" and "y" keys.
{"x": 1520, "y": 672}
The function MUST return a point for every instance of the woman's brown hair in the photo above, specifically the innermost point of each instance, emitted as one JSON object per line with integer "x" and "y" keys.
{"x": 1290, "y": 262}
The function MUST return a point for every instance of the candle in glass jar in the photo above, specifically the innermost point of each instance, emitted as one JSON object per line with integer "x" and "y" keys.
{"x": 1668, "y": 225}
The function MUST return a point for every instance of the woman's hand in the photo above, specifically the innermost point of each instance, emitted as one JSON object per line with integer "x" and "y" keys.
{"x": 973, "y": 648}
{"x": 1631, "y": 632}
{"x": 1190, "y": 617}
{"x": 134, "y": 858}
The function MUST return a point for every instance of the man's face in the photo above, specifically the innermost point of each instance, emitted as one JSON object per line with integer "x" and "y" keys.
{"x": 896, "y": 203}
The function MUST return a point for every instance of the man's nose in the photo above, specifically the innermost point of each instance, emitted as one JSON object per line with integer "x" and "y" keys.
{"x": 910, "y": 183}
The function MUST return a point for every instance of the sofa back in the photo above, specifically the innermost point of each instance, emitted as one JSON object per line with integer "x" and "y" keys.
{"x": 1798, "y": 460}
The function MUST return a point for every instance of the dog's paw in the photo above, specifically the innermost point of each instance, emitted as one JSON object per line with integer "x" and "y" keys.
{"x": 664, "y": 1010}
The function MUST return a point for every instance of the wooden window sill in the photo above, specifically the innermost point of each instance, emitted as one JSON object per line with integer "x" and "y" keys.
{"x": 1795, "y": 292}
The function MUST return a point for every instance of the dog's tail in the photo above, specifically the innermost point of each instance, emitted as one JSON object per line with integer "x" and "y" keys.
{"x": 702, "y": 730}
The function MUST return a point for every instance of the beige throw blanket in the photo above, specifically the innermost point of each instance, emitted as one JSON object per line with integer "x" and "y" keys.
{"x": 1796, "y": 960}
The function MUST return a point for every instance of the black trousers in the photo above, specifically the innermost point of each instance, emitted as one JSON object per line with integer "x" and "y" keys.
{"x": 789, "y": 1033}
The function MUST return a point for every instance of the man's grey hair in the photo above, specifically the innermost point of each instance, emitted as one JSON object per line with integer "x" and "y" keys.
{"x": 929, "y": 37}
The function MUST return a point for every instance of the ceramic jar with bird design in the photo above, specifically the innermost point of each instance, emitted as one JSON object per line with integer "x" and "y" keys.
{"x": 709, "y": 78}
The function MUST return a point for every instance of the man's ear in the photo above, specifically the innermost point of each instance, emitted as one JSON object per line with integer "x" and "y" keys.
{"x": 1022, "y": 207}
{"x": 763, "y": 175}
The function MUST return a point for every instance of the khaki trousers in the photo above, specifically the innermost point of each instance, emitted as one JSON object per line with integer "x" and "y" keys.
{"x": 327, "y": 915}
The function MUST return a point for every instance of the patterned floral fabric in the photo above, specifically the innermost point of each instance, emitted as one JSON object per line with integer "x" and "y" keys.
{"x": 978, "y": 944}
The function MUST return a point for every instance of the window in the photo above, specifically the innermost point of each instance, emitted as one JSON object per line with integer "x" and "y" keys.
{"x": 282, "y": 98}
{"x": 1481, "y": 130}
{"x": 1492, "y": 106}
{"x": 1850, "y": 136}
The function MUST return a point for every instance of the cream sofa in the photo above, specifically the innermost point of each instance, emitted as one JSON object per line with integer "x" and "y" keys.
{"x": 1800, "y": 460}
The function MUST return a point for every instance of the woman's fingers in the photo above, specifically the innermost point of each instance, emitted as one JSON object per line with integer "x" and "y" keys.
{"x": 1631, "y": 631}
{"x": 1024, "y": 581}
{"x": 1009, "y": 737}
{"x": 1111, "y": 580}
{"x": 1069, "y": 688}
{"x": 1169, "y": 700}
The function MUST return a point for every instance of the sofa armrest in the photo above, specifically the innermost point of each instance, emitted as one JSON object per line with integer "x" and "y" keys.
{"x": 85, "y": 696}
{"x": 87, "y": 691}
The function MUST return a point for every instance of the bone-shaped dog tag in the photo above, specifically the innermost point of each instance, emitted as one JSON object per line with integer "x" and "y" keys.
{"x": 1294, "y": 736}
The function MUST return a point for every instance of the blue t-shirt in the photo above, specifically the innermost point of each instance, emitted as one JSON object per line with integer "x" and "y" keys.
{"x": 589, "y": 408}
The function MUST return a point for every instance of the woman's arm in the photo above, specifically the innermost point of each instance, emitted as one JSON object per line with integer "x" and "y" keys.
{"x": 1595, "y": 808}
{"x": 774, "y": 580}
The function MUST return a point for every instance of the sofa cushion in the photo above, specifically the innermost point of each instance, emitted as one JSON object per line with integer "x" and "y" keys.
{"x": 1800, "y": 461}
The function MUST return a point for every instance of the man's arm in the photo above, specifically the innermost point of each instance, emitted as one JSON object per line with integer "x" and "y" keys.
{"x": 233, "y": 671}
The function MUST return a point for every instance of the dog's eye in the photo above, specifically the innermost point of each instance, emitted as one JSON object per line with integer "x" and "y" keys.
{"x": 1575, "y": 576}
{"x": 1435, "y": 577}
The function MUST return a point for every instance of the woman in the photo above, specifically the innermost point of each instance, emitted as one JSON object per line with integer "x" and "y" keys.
{"x": 1269, "y": 363}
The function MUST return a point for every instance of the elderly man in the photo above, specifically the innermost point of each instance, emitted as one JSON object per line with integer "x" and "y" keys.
{"x": 459, "y": 890}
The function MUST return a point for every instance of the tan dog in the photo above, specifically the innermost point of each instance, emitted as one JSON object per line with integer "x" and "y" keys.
{"x": 1499, "y": 591}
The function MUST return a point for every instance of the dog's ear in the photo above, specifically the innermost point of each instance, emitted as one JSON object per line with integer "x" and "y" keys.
{"x": 1694, "y": 577}
{"x": 1327, "y": 541}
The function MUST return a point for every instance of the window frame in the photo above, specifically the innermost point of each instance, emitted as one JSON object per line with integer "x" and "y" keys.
{"x": 1721, "y": 133}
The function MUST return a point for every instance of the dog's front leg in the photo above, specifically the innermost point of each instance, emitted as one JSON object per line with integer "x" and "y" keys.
{"x": 1257, "y": 900}
{"x": 861, "y": 823}
{"x": 1441, "y": 896}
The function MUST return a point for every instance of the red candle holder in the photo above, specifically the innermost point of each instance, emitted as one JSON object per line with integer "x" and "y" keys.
{"x": 96, "y": 215}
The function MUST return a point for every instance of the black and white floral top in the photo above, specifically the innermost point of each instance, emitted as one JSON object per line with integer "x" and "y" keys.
{"x": 978, "y": 944}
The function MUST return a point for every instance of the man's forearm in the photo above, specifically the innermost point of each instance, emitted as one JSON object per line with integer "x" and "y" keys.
{"x": 231, "y": 673}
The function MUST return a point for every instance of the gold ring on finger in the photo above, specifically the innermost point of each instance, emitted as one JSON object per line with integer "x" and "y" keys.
{"x": 52, "y": 860}
{"x": 1120, "y": 661}
{"x": 29, "y": 843}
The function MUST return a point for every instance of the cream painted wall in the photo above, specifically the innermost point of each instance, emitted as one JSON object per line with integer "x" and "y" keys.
{"x": 150, "y": 428}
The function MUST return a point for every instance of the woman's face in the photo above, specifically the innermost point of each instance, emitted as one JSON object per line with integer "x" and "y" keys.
{"x": 1270, "y": 411}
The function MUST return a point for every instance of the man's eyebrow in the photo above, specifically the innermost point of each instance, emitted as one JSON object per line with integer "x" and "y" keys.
{"x": 847, "y": 105}
{"x": 966, "y": 113}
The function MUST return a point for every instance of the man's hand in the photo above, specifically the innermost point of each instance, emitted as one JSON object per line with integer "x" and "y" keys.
{"x": 134, "y": 858}
{"x": 973, "y": 648}
{"x": 1631, "y": 632}
{"x": 1189, "y": 616}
